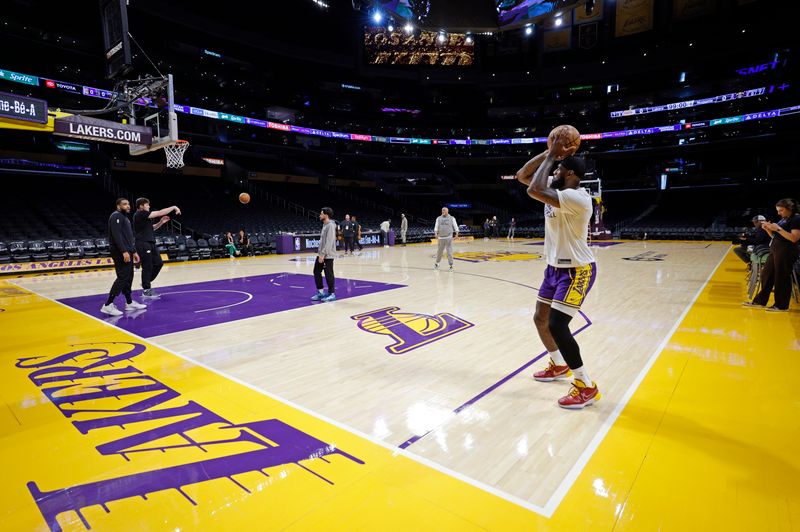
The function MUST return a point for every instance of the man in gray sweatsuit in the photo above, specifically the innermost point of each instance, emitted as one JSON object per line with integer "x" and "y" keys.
{"x": 403, "y": 228}
{"x": 445, "y": 228}
{"x": 325, "y": 256}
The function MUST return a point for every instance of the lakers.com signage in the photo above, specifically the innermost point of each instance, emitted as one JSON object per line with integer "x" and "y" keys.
{"x": 84, "y": 127}
{"x": 52, "y": 265}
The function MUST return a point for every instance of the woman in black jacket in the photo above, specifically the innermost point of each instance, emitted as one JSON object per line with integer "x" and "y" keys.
{"x": 783, "y": 253}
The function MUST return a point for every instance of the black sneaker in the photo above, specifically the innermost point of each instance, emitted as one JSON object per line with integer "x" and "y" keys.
{"x": 149, "y": 292}
{"x": 773, "y": 308}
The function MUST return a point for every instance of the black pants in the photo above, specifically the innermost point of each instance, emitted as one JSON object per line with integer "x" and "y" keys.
{"x": 329, "y": 278}
{"x": 122, "y": 284}
{"x": 384, "y": 241}
{"x": 777, "y": 273}
{"x": 349, "y": 243}
{"x": 151, "y": 262}
{"x": 358, "y": 243}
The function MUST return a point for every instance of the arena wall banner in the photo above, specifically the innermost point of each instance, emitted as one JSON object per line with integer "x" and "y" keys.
{"x": 383, "y": 47}
{"x": 53, "y": 265}
{"x": 555, "y": 41}
{"x": 84, "y": 127}
{"x": 587, "y": 35}
{"x": 580, "y": 16}
{"x": 634, "y": 16}
{"x": 684, "y": 9}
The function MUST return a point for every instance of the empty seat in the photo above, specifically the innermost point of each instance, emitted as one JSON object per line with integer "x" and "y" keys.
{"x": 38, "y": 250}
{"x": 89, "y": 249}
{"x": 217, "y": 250}
{"x": 19, "y": 251}
{"x": 5, "y": 254}
{"x": 56, "y": 249}
{"x": 72, "y": 249}
{"x": 192, "y": 249}
{"x": 102, "y": 247}
{"x": 203, "y": 248}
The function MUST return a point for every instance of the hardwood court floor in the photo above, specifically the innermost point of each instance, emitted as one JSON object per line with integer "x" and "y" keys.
{"x": 422, "y": 378}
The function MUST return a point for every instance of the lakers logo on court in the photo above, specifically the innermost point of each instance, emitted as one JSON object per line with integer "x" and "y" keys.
{"x": 495, "y": 256}
{"x": 409, "y": 330}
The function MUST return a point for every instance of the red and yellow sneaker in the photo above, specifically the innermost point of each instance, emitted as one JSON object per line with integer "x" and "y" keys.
{"x": 552, "y": 373}
{"x": 580, "y": 396}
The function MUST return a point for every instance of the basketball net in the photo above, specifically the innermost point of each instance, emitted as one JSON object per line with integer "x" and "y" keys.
{"x": 175, "y": 153}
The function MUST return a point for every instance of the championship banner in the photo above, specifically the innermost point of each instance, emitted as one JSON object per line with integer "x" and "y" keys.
{"x": 383, "y": 47}
{"x": 555, "y": 41}
{"x": 581, "y": 17}
{"x": 633, "y": 16}
{"x": 685, "y": 9}
{"x": 84, "y": 127}
{"x": 54, "y": 265}
{"x": 587, "y": 35}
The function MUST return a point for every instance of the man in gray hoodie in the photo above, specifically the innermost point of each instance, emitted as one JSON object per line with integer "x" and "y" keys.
{"x": 325, "y": 256}
{"x": 444, "y": 230}
{"x": 403, "y": 228}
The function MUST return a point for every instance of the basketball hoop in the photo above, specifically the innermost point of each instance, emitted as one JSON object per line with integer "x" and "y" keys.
{"x": 175, "y": 153}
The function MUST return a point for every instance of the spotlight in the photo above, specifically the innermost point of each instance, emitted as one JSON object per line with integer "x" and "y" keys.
{"x": 558, "y": 21}
{"x": 408, "y": 27}
{"x": 442, "y": 37}
{"x": 377, "y": 17}
{"x": 468, "y": 40}
{"x": 390, "y": 28}
{"x": 528, "y": 30}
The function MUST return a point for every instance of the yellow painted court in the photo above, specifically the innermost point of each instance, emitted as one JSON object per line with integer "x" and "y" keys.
{"x": 407, "y": 404}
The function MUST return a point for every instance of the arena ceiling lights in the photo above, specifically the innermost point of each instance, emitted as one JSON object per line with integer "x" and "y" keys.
{"x": 459, "y": 16}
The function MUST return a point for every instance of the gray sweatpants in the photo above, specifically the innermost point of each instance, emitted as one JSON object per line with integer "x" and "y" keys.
{"x": 445, "y": 243}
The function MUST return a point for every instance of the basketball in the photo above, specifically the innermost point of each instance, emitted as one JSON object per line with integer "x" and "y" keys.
{"x": 569, "y": 135}
{"x": 244, "y": 197}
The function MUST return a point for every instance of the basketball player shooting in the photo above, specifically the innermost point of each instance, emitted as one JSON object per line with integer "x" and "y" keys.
{"x": 571, "y": 268}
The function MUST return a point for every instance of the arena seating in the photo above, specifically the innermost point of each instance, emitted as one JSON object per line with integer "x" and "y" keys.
{"x": 52, "y": 227}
